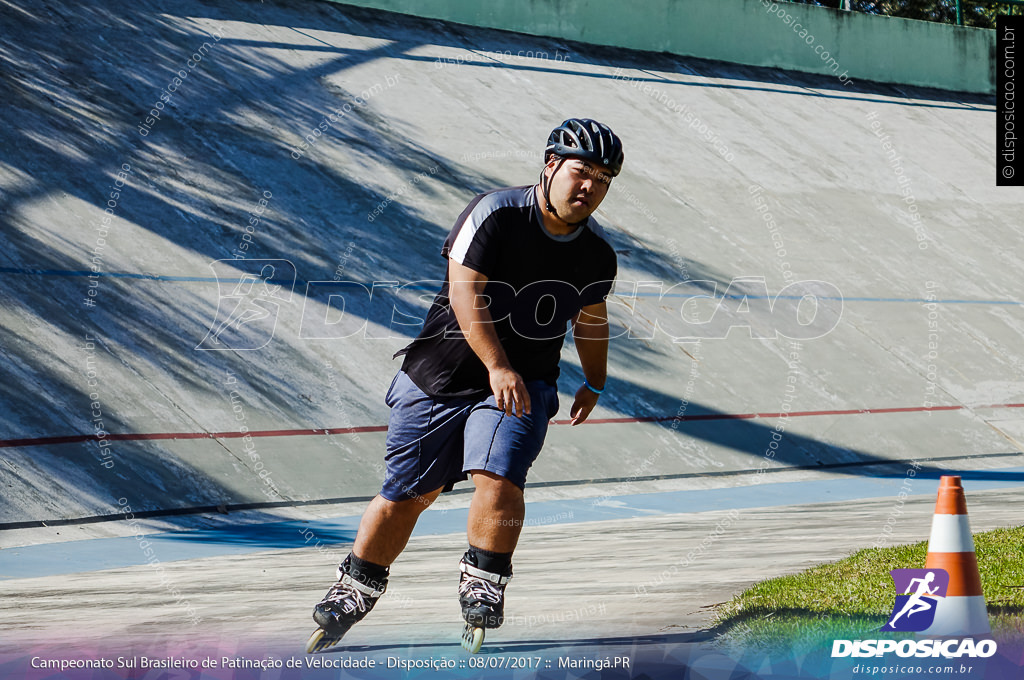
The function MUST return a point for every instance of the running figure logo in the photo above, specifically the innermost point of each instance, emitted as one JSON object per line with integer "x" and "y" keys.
{"x": 250, "y": 295}
{"x": 922, "y": 590}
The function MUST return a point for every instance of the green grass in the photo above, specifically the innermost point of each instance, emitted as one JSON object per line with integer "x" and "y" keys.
{"x": 854, "y": 596}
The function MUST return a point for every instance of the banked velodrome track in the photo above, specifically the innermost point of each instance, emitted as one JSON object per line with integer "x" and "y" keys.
{"x": 138, "y": 358}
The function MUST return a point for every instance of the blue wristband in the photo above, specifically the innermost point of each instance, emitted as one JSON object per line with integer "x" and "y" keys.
{"x": 592, "y": 388}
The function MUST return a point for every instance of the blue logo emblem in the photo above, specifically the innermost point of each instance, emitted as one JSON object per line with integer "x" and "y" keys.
{"x": 921, "y": 589}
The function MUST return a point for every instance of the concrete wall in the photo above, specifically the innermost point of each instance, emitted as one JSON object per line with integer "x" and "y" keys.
{"x": 783, "y": 35}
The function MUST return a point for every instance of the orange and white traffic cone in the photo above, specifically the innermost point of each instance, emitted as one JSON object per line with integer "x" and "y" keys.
{"x": 951, "y": 547}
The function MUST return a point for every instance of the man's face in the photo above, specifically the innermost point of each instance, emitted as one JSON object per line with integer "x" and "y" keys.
{"x": 577, "y": 188}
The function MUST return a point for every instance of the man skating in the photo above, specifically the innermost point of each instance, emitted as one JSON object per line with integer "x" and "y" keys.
{"x": 478, "y": 385}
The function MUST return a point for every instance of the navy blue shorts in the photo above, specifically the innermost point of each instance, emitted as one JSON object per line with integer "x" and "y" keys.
{"x": 432, "y": 443}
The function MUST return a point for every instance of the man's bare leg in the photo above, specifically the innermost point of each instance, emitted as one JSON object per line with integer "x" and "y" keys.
{"x": 386, "y": 527}
{"x": 495, "y": 514}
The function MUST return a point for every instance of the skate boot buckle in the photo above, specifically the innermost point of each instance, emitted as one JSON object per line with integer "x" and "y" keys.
{"x": 369, "y": 591}
{"x": 496, "y": 579}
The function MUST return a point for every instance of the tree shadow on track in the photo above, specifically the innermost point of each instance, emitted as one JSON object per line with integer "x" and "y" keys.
{"x": 78, "y": 83}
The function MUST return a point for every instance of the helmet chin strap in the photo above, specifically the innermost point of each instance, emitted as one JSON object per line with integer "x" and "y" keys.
{"x": 545, "y": 186}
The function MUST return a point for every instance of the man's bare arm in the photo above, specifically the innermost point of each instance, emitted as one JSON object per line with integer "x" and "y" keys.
{"x": 590, "y": 335}
{"x": 465, "y": 292}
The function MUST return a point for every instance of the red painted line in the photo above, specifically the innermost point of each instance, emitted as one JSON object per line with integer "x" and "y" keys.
{"x": 234, "y": 434}
{"x": 792, "y": 414}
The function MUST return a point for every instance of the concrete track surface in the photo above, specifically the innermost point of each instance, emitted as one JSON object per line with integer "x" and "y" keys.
{"x": 837, "y": 254}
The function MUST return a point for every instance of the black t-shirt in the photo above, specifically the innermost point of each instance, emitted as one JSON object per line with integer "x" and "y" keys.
{"x": 537, "y": 282}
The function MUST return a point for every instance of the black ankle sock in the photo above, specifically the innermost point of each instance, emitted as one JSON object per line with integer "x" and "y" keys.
{"x": 496, "y": 563}
{"x": 367, "y": 573}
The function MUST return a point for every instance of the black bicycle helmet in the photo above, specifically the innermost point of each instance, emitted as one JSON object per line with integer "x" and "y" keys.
{"x": 588, "y": 140}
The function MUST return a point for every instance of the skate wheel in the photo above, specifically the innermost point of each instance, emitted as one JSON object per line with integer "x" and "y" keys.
{"x": 320, "y": 641}
{"x": 472, "y": 638}
{"x": 313, "y": 644}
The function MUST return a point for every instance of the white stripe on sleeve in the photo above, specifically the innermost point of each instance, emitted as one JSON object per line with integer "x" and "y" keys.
{"x": 464, "y": 239}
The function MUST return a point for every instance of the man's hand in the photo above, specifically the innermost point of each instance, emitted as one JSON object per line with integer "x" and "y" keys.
{"x": 582, "y": 406}
{"x": 510, "y": 392}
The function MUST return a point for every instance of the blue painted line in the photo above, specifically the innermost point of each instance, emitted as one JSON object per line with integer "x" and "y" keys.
{"x": 378, "y": 284}
{"x": 951, "y": 301}
{"x": 109, "y": 553}
{"x": 106, "y": 275}
{"x": 129, "y": 275}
